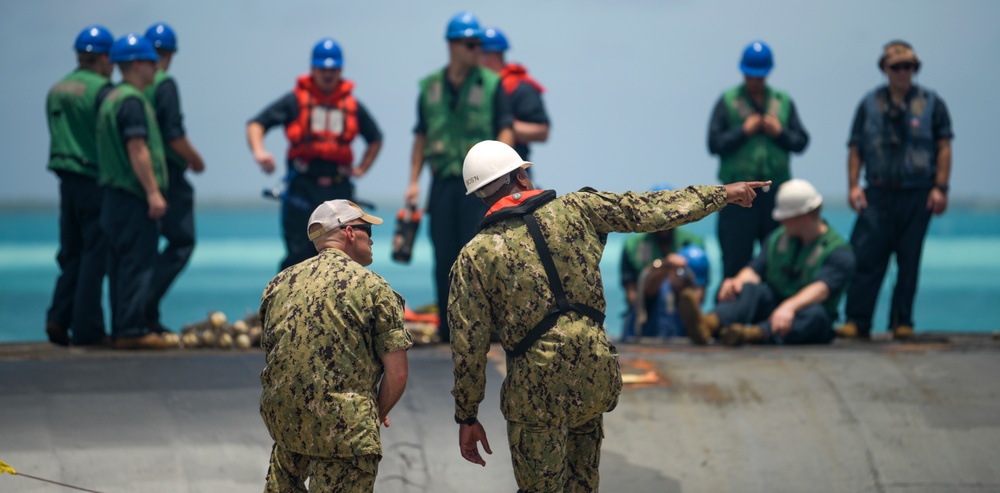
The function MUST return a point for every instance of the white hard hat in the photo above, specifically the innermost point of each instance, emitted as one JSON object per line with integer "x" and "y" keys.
{"x": 795, "y": 198}
{"x": 488, "y": 161}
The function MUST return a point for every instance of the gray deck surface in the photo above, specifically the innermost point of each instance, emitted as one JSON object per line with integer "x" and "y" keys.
{"x": 854, "y": 417}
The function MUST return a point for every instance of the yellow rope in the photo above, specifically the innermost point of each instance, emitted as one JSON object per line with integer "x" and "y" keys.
{"x": 6, "y": 468}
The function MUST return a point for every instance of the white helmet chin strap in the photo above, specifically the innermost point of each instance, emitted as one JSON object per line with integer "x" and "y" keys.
{"x": 491, "y": 188}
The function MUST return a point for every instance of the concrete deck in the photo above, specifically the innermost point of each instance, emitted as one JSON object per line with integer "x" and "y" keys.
{"x": 853, "y": 417}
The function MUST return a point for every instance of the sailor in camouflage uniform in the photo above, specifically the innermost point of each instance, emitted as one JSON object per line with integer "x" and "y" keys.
{"x": 533, "y": 274}
{"x": 331, "y": 330}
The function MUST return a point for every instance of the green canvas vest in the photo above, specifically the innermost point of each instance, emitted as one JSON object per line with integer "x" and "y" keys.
{"x": 455, "y": 125}
{"x": 792, "y": 266}
{"x": 115, "y": 166}
{"x": 173, "y": 158}
{"x": 759, "y": 158}
{"x": 642, "y": 249}
{"x": 71, "y": 107}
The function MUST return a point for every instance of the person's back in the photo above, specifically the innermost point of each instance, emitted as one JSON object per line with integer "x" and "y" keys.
{"x": 575, "y": 227}
{"x": 313, "y": 315}
{"x": 532, "y": 274}
{"x": 71, "y": 106}
{"x": 336, "y": 358}
{"x": 75, "y": 314}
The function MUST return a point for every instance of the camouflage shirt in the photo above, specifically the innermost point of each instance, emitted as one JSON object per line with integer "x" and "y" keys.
{"x": 327, "y": 322}
{"x": 499, "y": 283}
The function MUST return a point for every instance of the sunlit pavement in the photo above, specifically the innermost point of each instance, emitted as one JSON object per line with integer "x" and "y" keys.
{"x": 874, "y": 416}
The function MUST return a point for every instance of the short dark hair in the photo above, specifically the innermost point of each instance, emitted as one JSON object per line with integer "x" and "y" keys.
{"x": 85, "y": 58}
{"x": 505, "y": 189}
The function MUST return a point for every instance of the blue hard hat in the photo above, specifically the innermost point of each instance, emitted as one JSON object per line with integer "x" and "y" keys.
{"x": 94, "y": 39}
{"x": 661, "y": 187}
{"x": 757, "y": 60}
{"x": 697, "y": 261}
{"x": 494, "y": 41}
{"x": 131, "y": 47}
{"x": 162, "y": 36}
{"x": 327, "y": 54}
{"x": 463, "y": 25}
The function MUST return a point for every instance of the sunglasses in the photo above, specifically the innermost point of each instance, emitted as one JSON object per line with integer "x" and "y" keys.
{"x": 367, "y": 228}
{"x": 898, "y": 67}
{"x": 473, "y": 45}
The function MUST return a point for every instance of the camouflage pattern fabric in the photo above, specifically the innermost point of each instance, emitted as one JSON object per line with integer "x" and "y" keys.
{"x": 564, "y": 458}
{"x": 288, "y": 472}
{"x": 326, "y": 323}
{"x": 571, "y": 374}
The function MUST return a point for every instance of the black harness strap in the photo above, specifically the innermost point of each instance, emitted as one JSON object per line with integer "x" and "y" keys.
{"x": 555, "y": 284}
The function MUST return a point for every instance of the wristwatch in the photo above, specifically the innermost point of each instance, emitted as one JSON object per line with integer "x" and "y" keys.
{"x": 942, "y": 188}
{"x": 468, "y": 421}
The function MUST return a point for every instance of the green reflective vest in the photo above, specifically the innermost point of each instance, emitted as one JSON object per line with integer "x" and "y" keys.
{"x": 71, "y": 107}
{"x": 759, "y": 158}
{"x": 456, "y": 122}
{"x": 173, "y": 158}
{"x": 792, "y": 266}
{"x": 115, "y": 166}
{"x": 643, "y": 249}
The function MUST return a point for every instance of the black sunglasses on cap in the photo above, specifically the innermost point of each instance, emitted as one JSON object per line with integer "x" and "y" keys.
{"x": 897, "y": 67}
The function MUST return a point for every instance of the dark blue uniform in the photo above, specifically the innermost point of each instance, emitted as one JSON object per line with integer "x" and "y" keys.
{"x": 896, "y": 219}
{"x": 177, "y": 225}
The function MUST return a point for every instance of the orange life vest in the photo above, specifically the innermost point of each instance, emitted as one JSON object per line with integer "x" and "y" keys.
{"x": 326, "y": 125}
{"x": 513, "y": 74}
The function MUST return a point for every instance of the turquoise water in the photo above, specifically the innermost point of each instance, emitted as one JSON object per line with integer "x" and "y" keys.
{"x": 239, "y": 251}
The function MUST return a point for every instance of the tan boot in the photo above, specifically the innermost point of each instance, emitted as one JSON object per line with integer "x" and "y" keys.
{"x": 148, "y": 341}
{"x": 739, "y": 334}
{"x": 847, "y": 331}
{"x": 902, "y": 332}
{"x": 700, "y": 327}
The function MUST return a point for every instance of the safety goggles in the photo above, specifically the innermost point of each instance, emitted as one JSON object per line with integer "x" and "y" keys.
{"x": 899, "y": 67}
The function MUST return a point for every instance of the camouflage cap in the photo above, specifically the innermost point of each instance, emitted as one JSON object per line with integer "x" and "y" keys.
{"x": 333, "y": 214}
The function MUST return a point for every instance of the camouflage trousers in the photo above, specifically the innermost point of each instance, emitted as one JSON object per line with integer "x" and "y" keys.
{"x": 556, "y": 459}
{"x": 288, "y": 472}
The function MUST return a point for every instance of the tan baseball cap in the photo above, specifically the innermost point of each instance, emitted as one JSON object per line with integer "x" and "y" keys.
{"x": 897, "y": 51}
{"x": 333, "y": 214}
